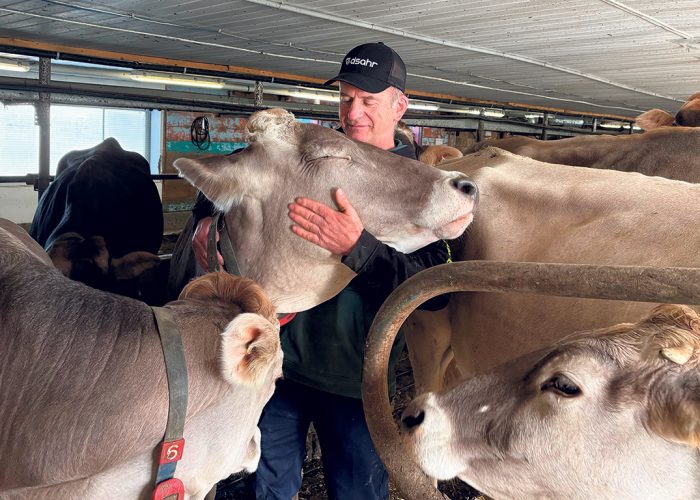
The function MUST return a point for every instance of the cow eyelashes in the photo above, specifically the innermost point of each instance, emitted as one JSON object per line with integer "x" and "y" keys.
{"x": 562, "y": 385}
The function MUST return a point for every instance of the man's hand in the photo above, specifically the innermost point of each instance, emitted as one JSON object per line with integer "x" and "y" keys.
{"x": 335, "y": 230}
{"x": 199, "y": 243}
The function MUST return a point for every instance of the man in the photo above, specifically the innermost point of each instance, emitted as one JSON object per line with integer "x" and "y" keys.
{"x": 323, "y": 347}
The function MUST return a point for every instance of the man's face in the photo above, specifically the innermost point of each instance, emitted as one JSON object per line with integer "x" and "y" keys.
{"x": 370, "y": 118}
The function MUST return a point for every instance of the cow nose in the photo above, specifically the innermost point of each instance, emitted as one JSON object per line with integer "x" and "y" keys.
{"x": 464, "y": 185}
{"x": 410, "y": 422}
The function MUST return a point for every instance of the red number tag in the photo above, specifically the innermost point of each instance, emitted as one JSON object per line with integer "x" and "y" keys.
{"x": 167, "y": 488}
{"x": 171, "y": 451}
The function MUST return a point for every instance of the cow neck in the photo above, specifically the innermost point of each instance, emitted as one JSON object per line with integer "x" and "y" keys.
{"x": 218, "y": 225}
{"x": 173, "y": 442}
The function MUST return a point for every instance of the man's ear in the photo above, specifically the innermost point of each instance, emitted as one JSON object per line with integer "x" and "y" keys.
{"x": 400, "y": 107}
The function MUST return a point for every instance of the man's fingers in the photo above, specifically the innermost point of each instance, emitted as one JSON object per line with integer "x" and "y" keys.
{"x": 302, "y": 221}
{"x": 314, "y": 207}
{"x": 309, "y": 236}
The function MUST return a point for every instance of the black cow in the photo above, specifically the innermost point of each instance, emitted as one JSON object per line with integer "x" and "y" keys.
{"x": 101, "y": 219}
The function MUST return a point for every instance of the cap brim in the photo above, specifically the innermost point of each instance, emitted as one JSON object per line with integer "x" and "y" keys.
{"x": 371, "y": 85}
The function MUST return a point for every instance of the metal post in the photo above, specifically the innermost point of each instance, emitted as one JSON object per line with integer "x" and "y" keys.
{"x": 545, "y": 123}
{"x": 595, "y": 124}
{"x": 43, "y": 119}
{"x": 258, "y": 95}
{"x": 480, "y": 131}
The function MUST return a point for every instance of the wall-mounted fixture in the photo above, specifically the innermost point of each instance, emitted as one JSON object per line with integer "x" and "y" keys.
{"x": 494, "y": 113}
{"x": 175, "y": 79}
{"x": 423, "y": 106}
{"x": 8, "y": 64}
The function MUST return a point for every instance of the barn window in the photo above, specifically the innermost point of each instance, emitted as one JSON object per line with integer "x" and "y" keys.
{"x": 72, "y": 127}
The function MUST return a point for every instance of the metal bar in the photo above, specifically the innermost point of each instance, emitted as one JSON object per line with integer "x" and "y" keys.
{"x": 32, "y": 179}
{"x": 643, "y": 284}
{"x": 43, "y": 118}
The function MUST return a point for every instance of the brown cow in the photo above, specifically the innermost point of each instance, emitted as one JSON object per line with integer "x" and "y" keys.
{"x": 687, "y": 116}
{"x": 613, "y": 413}
{"x": 535, "y": 212}
{"x": 83, "y": 392}
{"x": 672, "y": 152}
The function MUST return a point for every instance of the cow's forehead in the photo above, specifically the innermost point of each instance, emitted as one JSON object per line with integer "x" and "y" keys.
{"x": 280, "y": 126}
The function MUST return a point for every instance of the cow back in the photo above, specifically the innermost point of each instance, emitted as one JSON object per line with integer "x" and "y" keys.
{"x": 104, "y": 191}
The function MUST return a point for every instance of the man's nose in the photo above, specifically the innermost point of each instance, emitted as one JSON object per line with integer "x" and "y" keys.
{"x": 356, "y": 110}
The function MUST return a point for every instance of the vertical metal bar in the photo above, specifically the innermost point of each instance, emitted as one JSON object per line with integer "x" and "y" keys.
{"x": 43, "y": 118}
{"x": 545, "y": 123}
{"x": 258, "y": 95}
{"x": 480, "y": 131}
{"x": 595, "y": 124}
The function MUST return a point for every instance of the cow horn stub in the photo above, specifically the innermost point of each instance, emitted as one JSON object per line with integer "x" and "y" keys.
{"x": 269, "y": 122}
{"x": 679, "y": 355}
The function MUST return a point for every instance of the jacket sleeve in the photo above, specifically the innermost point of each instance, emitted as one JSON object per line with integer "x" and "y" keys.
{"x": 380, "y": 268}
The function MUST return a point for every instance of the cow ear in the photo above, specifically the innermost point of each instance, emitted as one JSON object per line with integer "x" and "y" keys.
{"x": 133, "y": 265}
{"x": 673, "y": 410}
{"x": 216, "y": 176}
{"x": 654, "y": 118}
{"x": 673, "y": 399}
{"x": 249, "y": 347}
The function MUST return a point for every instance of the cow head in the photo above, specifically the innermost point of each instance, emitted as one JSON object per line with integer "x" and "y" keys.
{"x": 611, "y": 413}
{"x": 400, "y": 201}
{"x": 689, "y": 114}
{"x": 250, "y": 350}
{"x": 87, "y": 260}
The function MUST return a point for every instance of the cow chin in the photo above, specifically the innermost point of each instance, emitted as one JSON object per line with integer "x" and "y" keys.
{"x": 455, "y": 228}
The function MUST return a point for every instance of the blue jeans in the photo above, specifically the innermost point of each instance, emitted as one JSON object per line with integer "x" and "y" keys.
{"x": 352, "y": 468}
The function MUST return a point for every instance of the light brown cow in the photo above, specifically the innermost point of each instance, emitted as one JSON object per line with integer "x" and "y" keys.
{"x": 687, "y": 116}
{"x": 402, "y": 202}
{"x": 83, "y": 392}
{"x": 613, "y": 413}
{"x": 535, "y": 212}
{"x": 672, "y": 152}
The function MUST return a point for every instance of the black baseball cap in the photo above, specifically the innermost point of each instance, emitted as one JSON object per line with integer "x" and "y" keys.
{"x": 372, "y": 67}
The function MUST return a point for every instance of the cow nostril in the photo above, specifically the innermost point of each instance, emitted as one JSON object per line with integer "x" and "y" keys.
{"x": 411, "y": 421}
{"x": 464, "y": 185}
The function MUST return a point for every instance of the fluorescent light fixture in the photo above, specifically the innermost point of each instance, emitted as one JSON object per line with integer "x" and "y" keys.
{"x": 171, "y": 79}
{"x": 610, "y": 124}
{"x": 306, "y": 94}
{"x": 8, "y": 64}
{"x": 423, "y": 107}
{"x": 463, "y": 111}
{"x": 533, "y": 116}
{"x": 494, "y": 113}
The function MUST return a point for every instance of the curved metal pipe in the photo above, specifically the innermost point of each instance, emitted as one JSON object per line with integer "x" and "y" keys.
{"x": 641, "y": 284}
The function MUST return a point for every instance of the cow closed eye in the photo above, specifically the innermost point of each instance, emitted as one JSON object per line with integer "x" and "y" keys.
{"x": 561, "y": 385}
